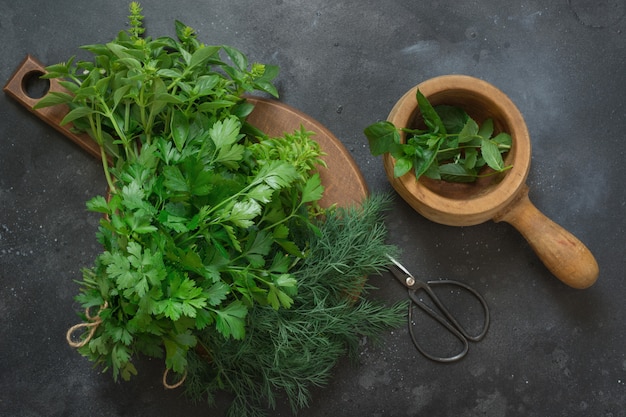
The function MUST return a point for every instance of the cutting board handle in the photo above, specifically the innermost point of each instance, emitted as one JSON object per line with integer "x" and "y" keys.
{"x": 16, "y": 88}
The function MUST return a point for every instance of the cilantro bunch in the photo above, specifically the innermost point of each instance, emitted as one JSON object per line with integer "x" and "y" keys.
{"x": 453, "y": 147}
{"x": 203, "y": 211}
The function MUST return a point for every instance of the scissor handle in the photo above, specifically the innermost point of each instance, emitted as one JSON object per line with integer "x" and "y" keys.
{"x": 447, "y": 320}
{"x": 446, "y": 312}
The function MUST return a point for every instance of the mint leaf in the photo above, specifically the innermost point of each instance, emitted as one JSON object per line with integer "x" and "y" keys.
{"x": 431, "y": 118}
{"x": 491, "y": 154}
{"x": 469, "y": 131}
{"x": 456, "y": 173}
{"x": 402, "y": 166}
{"x": 486, "y": 129}
{"x": 383, "y": 137}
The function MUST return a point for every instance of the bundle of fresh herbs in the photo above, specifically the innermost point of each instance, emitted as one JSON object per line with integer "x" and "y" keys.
{"x": 288, "y": 351}
{"x": 211, "y": 232}
{"x": 451, "y": 148}
{"x": 200, "y": 219}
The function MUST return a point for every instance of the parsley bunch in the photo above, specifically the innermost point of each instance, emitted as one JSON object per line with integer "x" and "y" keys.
{"x": 203, "y": 211}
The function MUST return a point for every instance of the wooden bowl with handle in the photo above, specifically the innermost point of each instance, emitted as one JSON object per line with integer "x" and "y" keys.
{"x": 500, "y": 197}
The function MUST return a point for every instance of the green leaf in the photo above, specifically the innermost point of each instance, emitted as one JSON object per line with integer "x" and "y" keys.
{"x": 431, "y": 118}
{"x": 230, "y": 320}
{"x": 141, "y": 224}
{"x": 119, "y": 94}
{"x": 98, "y": 204}
{"x": 170, "y": 73}
{"x": 262, "y": 193}
{"x": 217, "y": 293}
{"x": 215, "y": 105}
{"x": 313, "y": 189}
{"x": 230, "y": 155}
{"x": 286, "y": 280}
{"x": 121, "y": 334}
{"x": 72, "y": 87}
{"x": 456, "y": 173}
{"x": 180, "y": 129}
{"x": 123, "y": 52}
{"x": 128, "y": 370}
{"x": 130, "y": 63}
{"x": 52, "y": 99}
{"x": 176, "y": 350}
{"x": 491, "y": 154}
{"x": 243, "y": 213}
{"x": 201, "y": 55}
{"x": 402, "y": 166}
{"x": 171, "y": 309}
{"x": 174, "y": 180}
{"x": 383, "y": 137}
{"x": 453, "y": 118}
{"x": 238, "y": 59}
{"x": 76, "y": 113}
{"x": 120, "y": 357}
{"x": 266, "y": 87}
{"x": 504, "y": 140}
{"x": 225, "y": 132}
{"x": 471, "y": 158}
{"x": 277, "y": 174}
{"x": 469, "y": 131}
{"x": 423, "y": 163}
{"x": 290, "y": 247}
{"x": 486, "y": 129}
{"x": 205, "y": 84}
{"x": 230, "y": 232}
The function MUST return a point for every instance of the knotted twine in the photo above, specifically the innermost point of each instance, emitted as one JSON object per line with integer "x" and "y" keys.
{"x": 92, "y": 325}
{"x": 167, "y": 385}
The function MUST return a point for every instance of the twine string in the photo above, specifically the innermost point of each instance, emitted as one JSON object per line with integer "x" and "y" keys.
{"x": 92, "y": 325}
{"x": 167, "y": 385}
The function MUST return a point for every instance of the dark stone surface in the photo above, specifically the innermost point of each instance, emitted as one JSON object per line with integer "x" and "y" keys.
{"x": 550, "y": 351}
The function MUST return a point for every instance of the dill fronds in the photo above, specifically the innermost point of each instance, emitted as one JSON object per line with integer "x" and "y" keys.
{"x": 286, "y": 352}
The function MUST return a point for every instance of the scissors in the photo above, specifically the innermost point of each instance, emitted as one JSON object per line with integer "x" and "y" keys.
{"x": 445, "y": 318}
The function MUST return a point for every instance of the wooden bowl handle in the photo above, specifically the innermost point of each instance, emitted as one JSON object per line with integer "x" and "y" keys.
{"x": 560, "y": 251}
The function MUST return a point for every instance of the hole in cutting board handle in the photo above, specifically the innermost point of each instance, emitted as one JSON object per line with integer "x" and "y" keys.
{"x": 34, "y": 86}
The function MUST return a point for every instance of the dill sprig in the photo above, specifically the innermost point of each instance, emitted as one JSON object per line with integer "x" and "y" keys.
{"x": 286, "y": 352}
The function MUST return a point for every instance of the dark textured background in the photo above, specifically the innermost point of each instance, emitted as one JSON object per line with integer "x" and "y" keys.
{"x": 551, "y": 350}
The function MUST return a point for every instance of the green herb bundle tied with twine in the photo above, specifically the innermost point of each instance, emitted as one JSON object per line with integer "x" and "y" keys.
{"x": 216, "y": 255}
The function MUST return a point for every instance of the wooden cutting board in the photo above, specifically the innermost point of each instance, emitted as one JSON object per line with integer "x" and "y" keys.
{"x": 344, "y": 184}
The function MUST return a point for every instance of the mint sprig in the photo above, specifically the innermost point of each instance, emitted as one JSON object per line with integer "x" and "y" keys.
{"x": 453, "y": 147}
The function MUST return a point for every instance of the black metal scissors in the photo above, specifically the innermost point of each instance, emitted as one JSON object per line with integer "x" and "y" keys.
{"x": 445, "y": 318}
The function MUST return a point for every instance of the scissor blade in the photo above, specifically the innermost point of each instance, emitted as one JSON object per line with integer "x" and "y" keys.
{"x": 401, "y": 273}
